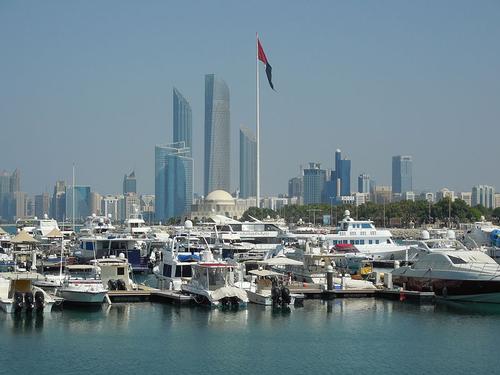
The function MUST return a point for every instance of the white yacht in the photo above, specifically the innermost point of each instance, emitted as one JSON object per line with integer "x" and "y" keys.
{"x": 456, "y": 275}
{"x": 213, "y": 284}
{"x": 136, "y": 226}
{"x": 82, "y": 285}
{"x": 485, "y": 235}
{"x": 173, "y": 267}
{"x": 368, "y": 240}
{"x": 95, "y": 224}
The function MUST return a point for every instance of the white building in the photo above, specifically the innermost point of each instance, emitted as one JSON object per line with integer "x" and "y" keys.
{"x": 483, "y": 195}
{"x": 220, "y": 202}
{"x": 445, "y": 193}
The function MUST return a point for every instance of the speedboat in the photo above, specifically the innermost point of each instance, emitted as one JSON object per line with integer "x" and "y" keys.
{"x": 268, "y": 289}
{"x": 116, "y": 273}
{"x": 213, "y": 283}
{"x": 456, "y": 275}
{"x": 18, "y": 293}
{"x": 82, "y": 285}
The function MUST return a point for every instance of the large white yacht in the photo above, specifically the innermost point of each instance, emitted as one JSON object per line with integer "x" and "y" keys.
{"x": 95, "y": 224}
{"x": 136, "y": 226}
{"x": 457, "y": 275}
{"x": 368, "y": 240}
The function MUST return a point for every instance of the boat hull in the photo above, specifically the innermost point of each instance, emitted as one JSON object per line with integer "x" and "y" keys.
{"x": 83, "y": 297}
{"x": 485, "y": 291}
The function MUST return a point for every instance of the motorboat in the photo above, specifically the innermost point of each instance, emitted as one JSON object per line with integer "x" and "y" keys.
{"x": 430, "y": 242}
{"x": 96, "y": 224}
{"x": 136, "y": 226}
{"x": 18, "y": 293}
{"x": 269, "y": 289}
{"x": 456, "y": 275}
{"x": 173, "y": 263}
{"x": 213, "y": 283}
{"x": 486, "y": 236}
{"x": 82, "y": 285}
{"x": 116, "y": 273}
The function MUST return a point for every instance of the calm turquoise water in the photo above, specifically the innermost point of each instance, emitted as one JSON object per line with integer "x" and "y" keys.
{"x": 362, "y": 336}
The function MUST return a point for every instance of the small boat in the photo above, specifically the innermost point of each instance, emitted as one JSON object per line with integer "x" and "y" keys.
{"x": 82, "y": 285}
{"x": 268, "y": 289}
{"x": 116, "y": 273}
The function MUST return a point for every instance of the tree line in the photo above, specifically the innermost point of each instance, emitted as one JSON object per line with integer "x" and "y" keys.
{"x": 402, "y": 213}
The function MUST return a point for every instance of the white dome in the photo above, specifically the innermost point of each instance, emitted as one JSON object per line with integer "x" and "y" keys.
{"x": 220, "y": 196}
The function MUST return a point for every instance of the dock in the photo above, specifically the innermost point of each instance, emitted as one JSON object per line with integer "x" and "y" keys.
{"x": 148, "y": 294}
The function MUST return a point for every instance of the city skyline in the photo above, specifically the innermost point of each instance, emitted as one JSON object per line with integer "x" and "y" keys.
{"x": 67, "y": 89}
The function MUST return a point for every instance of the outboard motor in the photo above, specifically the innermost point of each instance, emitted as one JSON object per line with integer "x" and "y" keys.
{"x": 276, "y": 294}
{"x": 18, "y": 301}
{"x": 285, "y": 296}
{"x": 112, "y": 285}
{"x": 120, "y": 285}
{"x": 39, "y": 300}
{"x": 29, "y": 300}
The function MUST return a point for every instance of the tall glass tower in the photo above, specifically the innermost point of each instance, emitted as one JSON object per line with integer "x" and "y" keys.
{"x": 248, "y": 163}
{"x": 173, "y": 180}
{"x": 402, "y": 180}
{"x": 183, "y": 123}
{"x": 342, "y": 175}
{"x": 217, "y": 135}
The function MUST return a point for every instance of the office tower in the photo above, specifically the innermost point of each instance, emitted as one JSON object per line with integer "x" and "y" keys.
{"x": 248, "y": 163}
{"x": 42, "y": 205}
{"x": 131, "y": 205}
{"x": 402, "y": 181}
{"x": 82, "y": 202}
{"x": 95, "y": 203}
{"x": 364, "y": 183}
{"x": 10, "y": 184}
{"x": 341, "y": 177}
{"x": 217, "y": 135}
{"x": 314, "y": 180}
{"x": 130, "y": 183}
{"x": 295, "y": 188}
{"x": 182, "y": 120}
{"x": 483, "y": 195}
{"x": 173, "y": 181}
{"x": 58, "y": 206}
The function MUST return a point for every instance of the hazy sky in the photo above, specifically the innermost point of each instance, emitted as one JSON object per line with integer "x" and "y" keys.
{"x": 91, "y": 82}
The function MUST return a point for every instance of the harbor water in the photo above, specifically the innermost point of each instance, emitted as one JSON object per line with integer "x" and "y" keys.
{"x": 345, "y": 336}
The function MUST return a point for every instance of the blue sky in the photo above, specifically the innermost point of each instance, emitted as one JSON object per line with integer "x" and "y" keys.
{"x": 91, "y": 82}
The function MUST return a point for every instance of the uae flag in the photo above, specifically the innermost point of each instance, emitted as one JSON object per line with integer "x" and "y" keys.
{"x": 262, "y": 57}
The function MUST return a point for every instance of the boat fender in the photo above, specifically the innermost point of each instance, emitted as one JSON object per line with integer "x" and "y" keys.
{"x": 29, "y": 301}
{"x": 39, "y": 299}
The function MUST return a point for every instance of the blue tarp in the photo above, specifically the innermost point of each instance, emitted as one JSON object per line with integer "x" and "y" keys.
{"x": 188, "y": 258}
{"x": 495, "y": 237}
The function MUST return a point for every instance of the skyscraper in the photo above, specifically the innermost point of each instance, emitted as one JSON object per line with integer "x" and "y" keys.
{"x": 314, "y": 182}
{"x": 183, "y": 123}
{"x": 483, "y": 195}
{"x": 58, "y": 206}
{"x": 42, "y": 205}
{"x": 82, "y": 202}
{"x": 402, "y": 181}
{"x": 217, "y": 135}
{"x": 130, "y": 183}
{"x": 173, "y": 181}
{"x": 248, "y": 163}
{"x": 341, "y": 177}
{"x": 364, "y": 183}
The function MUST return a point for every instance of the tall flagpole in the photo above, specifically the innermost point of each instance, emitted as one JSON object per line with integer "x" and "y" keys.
{"x": 258, "y": 122}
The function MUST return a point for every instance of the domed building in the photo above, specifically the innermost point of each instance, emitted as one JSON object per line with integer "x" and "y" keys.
{"x": 218, "y": 202}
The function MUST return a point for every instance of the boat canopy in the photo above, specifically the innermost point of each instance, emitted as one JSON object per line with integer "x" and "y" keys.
{"x": 264, "y": 273}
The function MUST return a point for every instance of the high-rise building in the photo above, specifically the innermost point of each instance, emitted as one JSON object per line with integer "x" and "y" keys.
{"x": 483, "y": 195}
{"x": 217, "y": 135}
{"x": 402, "y": 180}
{"x": 466, "y": 196}
{"x": 341, "y": 177}
{"x": 95, "y": 203}
{"x": 314, "y": 181}
{"x": 10, "y": 183}
{"x": 131, "y": 205}
{"x": 42, "y": 205}
{"x": 173, "y": 181}
{"x": 295, "y": 188}
{"x": 130, "y": 183}
{"x": 248, "y": 163}
{"x": 364, "y": 183}
{"x": 82, "y": 202}
{"x": 183, "y": 123}
{"x": 58, "y": 206}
